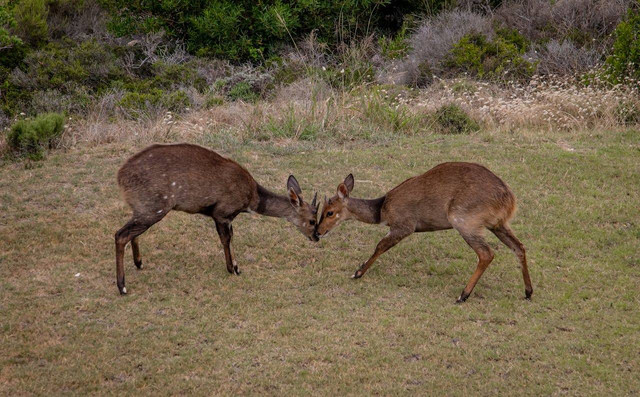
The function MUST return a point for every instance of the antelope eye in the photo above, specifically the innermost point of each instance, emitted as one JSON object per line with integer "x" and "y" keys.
{"x": 312, "y": 222}
{"x": 330, "y": 213}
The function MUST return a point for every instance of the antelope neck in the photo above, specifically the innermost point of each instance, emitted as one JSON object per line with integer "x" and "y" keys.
{"x": 367, "y": 211}
{"x": 272, "y": 204}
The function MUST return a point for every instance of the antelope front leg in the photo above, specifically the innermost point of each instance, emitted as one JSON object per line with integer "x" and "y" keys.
{"x": 392, "y": 238}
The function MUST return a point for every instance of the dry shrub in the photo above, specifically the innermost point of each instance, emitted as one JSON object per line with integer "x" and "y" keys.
{"x": 78, "y": 20}
{"x": 564, "y": 58}
{"x": 212, "y": 70}
{"x": 309, "y": 52}
{"x": 585, "y": 20}
{"x": 431, "y": 43}
{"x": 307, "y": 89}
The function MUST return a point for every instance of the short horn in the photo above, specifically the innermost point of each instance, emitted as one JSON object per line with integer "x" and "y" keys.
{"x": 313, "y": 202}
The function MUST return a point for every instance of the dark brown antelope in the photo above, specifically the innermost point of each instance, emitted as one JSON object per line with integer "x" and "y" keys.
{"x": 463, "y": 196}
{"x": 192, "y": 179}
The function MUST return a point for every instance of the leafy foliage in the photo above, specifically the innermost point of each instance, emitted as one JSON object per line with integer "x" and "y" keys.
{"x": 7, "y": 22}
{"x": 248, "y": 30}
{"x": 499, "y": 59}
{"x": 624, "y": 63}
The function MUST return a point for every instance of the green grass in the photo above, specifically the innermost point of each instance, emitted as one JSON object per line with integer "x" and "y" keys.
{"x": 294, "y": 322}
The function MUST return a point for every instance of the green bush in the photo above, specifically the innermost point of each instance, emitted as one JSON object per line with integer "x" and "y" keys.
{"x": 59, "y": 65}
{"x": 624, "y": 62}
{"x": 82, "y": 72}
{"x": 33, "y": 137}
{"x": 243, "y": 91}
{"x": 172, "y": 76}
{"x": 500, "y": 59}
{"x": 453, "y": 120}
{"x": 31, "y": 21}
{"x": 213, "y": 100}
{"x": 7, "y": 22}
{"x": 137, "y": 103}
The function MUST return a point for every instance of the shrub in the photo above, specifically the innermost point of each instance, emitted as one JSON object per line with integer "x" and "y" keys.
{"x": 136, "y": 104}
{"x": 431, "y": 43}
{"x": 76, "y": 19}
{"x": 243, "y": 91}
{"x": 217, "y": 32}
{"x": 453, "y": 120}
{"x": 624, "y": 62}
{"x": 56, "y": 66}
{"x": 584, "y": 22}
{"x": 213, "y": 100}
{"x": 31, "y": 21}
{"x": 33, "y": 137}
{"x": 564, "y": 58}
{"x": 500, "y": 59}
{"x": 7, "y": 22}
{"x": 171, "y": 76}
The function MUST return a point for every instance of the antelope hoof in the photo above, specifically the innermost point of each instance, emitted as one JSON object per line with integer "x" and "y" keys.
{"x": 123, "y": 290}
{"x": 236, "y": 271}
{"x": 527, "y": 294}
{"x": 462, "y": 298}
{"x": 357, "y": 274}
{"x": 138, "y": 264}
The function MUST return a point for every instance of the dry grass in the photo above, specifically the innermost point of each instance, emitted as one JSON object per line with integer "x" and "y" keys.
{"x": 542, "y": 104}
{"x": 309, "y": 110}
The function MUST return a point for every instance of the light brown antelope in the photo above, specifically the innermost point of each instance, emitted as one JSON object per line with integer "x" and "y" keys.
{"x": 190, "y": 178}
{"x": 464, "y": 196}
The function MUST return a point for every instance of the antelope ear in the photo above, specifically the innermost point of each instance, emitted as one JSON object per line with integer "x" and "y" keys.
{"x": 294, "y": 198}
{"x": 292, "y": 183}
{"x": 343, "y": 192}
{"x": 348, "y": 182}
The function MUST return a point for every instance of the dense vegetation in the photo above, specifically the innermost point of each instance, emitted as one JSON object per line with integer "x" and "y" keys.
{"x": 249, "y": 30}
{"x": 123, "y": 59}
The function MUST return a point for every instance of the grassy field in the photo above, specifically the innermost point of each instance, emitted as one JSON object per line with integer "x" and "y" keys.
{"x": 294, "y": 322}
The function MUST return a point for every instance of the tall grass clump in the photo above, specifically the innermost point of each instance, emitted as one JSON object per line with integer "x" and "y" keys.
{"x": 33, "y": 137}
